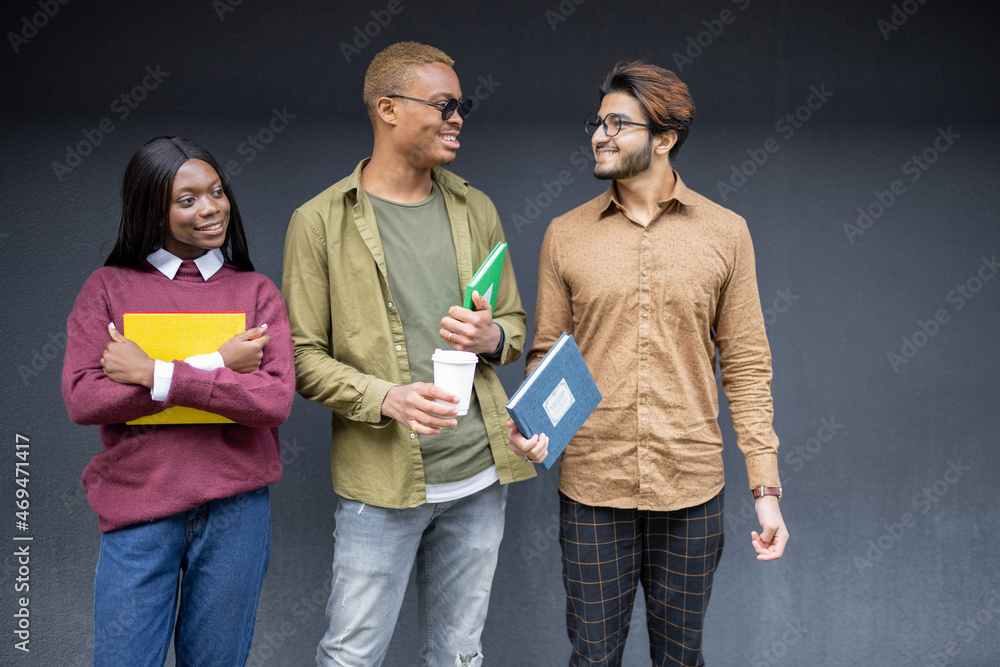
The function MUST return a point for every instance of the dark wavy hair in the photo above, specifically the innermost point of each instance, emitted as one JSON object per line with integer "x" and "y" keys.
{"x": 146, "y": 191}
{"x": 663, "y": 96}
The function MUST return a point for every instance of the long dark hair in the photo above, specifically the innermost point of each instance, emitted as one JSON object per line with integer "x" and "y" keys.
{"x": 146, "y": 192}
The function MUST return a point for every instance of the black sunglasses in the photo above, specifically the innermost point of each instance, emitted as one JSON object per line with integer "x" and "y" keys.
{"x": 448, "y": 108}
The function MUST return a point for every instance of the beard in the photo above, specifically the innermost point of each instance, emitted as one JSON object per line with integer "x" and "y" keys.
{"x": 630, "y": 164}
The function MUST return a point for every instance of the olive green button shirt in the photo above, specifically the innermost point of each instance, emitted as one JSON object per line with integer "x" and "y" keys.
{"x": 349, "y": 343}
{"x": 648, "y": 305}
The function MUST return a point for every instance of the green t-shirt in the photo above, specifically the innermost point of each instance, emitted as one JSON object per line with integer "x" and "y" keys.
{"x": 423, "y": 280}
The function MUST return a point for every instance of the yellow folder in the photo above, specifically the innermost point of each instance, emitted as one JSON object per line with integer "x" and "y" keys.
{"x": 169, "y": 336}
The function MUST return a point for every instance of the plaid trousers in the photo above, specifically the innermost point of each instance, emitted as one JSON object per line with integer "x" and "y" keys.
{"x": 607, "y": 551}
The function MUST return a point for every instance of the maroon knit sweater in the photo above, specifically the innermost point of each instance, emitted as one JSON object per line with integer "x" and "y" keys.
{"x": 150, "y": 472}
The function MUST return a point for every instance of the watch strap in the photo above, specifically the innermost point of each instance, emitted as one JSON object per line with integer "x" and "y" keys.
{"x": 767, "y": 491}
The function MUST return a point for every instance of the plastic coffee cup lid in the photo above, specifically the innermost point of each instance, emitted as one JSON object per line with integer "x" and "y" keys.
{"x": 454, "y": 356}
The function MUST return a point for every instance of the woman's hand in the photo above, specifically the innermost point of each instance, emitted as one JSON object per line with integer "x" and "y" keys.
{"x": 243, "y": 352}
{"x": 123, "y": 361}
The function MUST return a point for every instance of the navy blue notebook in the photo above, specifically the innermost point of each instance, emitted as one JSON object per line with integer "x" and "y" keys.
{"x": 556, "y": 398}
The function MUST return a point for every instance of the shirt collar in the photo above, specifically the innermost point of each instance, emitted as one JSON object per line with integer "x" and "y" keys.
{"x": 168, "y": 264}
{"x": 681, "y": 193}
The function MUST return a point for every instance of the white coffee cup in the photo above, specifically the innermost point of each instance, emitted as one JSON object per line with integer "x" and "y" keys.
{"x": 453, "y": 371}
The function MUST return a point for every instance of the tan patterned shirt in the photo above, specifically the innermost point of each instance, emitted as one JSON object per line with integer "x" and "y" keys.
{"x": 648, "y": 306}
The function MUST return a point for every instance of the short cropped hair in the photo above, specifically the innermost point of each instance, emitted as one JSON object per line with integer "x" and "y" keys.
{"x": 664, "y": 97}
{"x": 389, "y": 71}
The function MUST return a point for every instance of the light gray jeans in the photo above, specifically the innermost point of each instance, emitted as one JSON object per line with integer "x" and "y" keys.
{"x": 455, "y": 547}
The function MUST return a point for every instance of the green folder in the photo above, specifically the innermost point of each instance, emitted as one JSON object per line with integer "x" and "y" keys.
{"x": 487, "y": 278}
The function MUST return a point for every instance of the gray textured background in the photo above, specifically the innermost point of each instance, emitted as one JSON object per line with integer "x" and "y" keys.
{"x": 892, "y": 512}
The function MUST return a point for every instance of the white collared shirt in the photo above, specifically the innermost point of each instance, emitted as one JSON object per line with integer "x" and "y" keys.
{"x": 168, "y": 264}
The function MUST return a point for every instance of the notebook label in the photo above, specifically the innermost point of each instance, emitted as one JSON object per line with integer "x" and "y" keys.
{"x": 558, "y": 402}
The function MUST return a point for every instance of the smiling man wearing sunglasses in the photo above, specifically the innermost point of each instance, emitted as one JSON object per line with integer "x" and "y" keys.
{"x": 652, "y": 279}
{"x": 375, "y": 269}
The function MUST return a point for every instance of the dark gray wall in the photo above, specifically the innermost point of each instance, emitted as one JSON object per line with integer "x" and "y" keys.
{"x": 891, "y": 507}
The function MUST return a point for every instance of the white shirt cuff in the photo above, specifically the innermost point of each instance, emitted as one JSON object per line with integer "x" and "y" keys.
{"x": 163, "y": 373}
{"x": 207, "y": 362}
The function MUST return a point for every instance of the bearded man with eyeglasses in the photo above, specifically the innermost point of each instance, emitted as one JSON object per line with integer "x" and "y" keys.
{"x": 652, "y": 278}
{"x": 374, "y": 272}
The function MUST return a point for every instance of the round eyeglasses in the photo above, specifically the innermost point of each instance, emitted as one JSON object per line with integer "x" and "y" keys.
{"x": 612, "y": 124}
{"x": 447, "y": 108}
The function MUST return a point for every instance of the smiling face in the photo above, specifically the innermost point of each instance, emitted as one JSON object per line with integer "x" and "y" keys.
{"x": 629, "y": 152}
{"x": 198, "y": 211}
{"x": 422, "y": 135}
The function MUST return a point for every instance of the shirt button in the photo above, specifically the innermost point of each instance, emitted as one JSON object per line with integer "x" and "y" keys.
{"x": 645, "y": 272}
{"x": 645, "y": 314}
{"x": 398, "y": 348}
{"x": 643, "y": 400}
{"x": 412, "y": 436}
{"x": 390, "y": 305}
{"x": 645, "y": 234}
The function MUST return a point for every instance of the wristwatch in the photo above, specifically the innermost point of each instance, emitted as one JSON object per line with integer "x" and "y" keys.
{"x": 767, "y": 491}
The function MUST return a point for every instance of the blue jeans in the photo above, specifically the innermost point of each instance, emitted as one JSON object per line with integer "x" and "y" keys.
{"x": 204, "y": 566}
{"x": 455, "y": 547}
